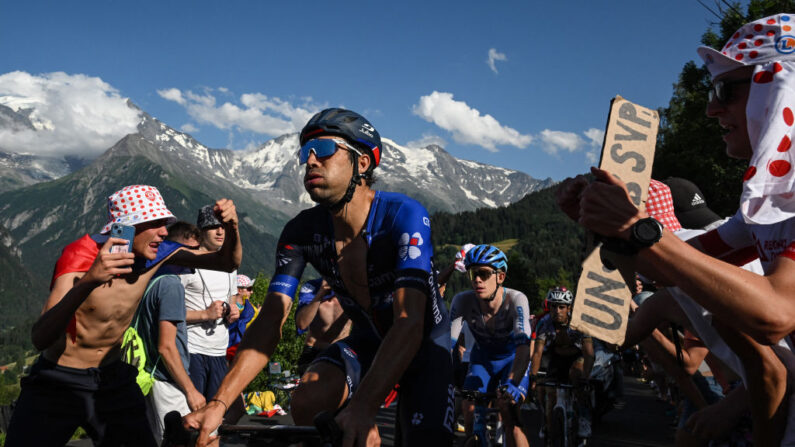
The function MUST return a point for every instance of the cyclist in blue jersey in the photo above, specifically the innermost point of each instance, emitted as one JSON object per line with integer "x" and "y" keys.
{"x": 499, "y": 320}
{"x": 567, "y": 354}
{"x": 374, "y": 250}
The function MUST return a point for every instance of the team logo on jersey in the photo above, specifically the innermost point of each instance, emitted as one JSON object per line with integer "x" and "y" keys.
{"x": 416, "y": 419}
{"x": 409, "y": 246}
{"x": 426, "y": 222}
{"x": 349, "y": 352}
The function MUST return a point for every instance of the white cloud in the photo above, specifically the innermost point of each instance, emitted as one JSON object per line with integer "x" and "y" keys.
{"x": 555, "y": 140}
{"x": 466, "y": 124}
{"x": 256, "y": 112}
{"x": 189, "y": 128}
{"x": 74, "y": 114}
{"x": 495, "y": 56}
{"x": 427, "y": 140}
{"x": 596, "y": 137}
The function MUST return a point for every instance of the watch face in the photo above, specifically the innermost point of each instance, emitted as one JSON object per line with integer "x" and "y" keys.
{"x": 648, "y": 231}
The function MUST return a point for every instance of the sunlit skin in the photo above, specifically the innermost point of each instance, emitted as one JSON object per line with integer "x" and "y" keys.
{"x": 326, "y": 179}
{"x": 731, "y": 116}
{"x": 103, "y": 299}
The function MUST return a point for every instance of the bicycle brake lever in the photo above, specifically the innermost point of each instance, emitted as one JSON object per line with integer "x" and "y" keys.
{"x": 330, "y": 432}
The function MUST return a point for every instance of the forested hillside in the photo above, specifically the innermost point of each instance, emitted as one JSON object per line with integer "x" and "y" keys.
{"x": 544, "y": 246}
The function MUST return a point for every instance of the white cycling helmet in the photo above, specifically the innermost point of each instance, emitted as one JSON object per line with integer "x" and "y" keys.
{"x": 559, "y": 295}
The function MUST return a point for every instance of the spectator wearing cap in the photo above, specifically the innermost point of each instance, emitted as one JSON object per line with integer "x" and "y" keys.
{"x": 247, "y": 313}
{"x": 690, "y": 205}
{"x": 752, "y": 97}
{"x": 208, "y": 302}
{"x": 79, "y": 379}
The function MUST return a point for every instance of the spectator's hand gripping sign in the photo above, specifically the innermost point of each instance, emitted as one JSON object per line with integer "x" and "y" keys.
{"x": 601, "y": 307}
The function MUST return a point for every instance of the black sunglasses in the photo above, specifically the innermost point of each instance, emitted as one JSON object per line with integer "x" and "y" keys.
{"x": 722, "y": 90}
{"x": 483, "y": 274}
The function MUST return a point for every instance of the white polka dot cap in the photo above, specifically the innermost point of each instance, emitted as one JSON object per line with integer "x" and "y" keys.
{"x": 244, "y": 281}
{"x": 136, "y": 204}
{"x": 764, "y": 40}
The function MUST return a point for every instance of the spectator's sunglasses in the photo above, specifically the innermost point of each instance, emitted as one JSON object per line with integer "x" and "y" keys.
{"x": 323, "y": 147}
{"x": 483, "y": 273}
{"x": 722, "y": 90}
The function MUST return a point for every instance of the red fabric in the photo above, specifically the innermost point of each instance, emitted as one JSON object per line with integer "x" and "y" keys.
{"x": 231, "y": 352}
{"x": 660, "y": 205}
{"x": 714, "y": 246}
{"x": 789, "y": 251}
{"x": 391, "y": 396}
{"x": 75, "y": 257}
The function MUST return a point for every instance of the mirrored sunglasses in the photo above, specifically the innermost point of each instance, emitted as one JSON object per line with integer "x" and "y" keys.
{"x": 722, "y": 90}
{"x": 483, "y": 274}
{"x": 323, "y": 147}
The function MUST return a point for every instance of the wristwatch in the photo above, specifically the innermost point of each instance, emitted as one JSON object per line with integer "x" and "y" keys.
{"x": 645, "y": 233}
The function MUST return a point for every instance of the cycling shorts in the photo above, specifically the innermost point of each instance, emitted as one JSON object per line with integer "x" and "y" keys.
{"x": 425, "y": 406}
{"x": 486, "y": 372}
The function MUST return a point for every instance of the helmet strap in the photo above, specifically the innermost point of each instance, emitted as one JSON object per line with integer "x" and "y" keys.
{"x": 355, "y": 181}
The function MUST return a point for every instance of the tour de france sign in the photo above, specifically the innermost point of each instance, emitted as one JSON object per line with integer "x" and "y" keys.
{"x": 601, "y": 307}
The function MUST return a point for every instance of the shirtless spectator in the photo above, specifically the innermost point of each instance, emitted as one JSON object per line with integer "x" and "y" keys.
{"x": 207, "y": 299}
{"x": 79, "y": 378}
{"x": 751, "y": 96}
{"x": 320, "y": 312}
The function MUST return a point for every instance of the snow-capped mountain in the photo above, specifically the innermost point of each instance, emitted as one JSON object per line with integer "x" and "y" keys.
{"x": 272, "y": 175}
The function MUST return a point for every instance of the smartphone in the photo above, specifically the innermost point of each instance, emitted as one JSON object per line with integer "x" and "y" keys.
{"x": 121, "y": 231}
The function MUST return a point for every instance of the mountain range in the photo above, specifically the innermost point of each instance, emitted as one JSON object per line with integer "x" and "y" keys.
{"x": 46, "y": 202}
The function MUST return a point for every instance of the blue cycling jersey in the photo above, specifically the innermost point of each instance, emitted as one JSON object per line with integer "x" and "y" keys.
{"x": 399, "y": 254}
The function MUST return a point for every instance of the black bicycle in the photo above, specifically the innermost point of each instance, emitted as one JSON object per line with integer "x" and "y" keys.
{"x": 325, "y": 433}
{"x": 485, "y": 422}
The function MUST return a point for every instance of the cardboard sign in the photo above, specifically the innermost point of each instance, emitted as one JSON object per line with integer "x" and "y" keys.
{"x": 601, "y": 307}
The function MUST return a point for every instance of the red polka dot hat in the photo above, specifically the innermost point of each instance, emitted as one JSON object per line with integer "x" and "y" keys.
{"x": 768, "y": 45}
{"x": 136, "y": 204}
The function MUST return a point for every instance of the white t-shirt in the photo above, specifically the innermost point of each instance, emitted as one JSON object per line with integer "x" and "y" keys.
{"x": 202, "y": 288}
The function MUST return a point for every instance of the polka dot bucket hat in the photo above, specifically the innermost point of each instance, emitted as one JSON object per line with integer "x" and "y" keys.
{"x": 757, "y": 42}
{"x": 136, "y": 204}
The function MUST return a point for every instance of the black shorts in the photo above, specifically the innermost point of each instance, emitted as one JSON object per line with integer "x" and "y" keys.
{"x": 55, "y": 400}
{"x": 559, "y": 366}
{"x": 426, "y": 397}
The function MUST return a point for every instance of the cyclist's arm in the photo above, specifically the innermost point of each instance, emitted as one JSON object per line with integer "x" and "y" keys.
{"x": 256, "y": 348}
{"x": 588, "y": 355}
{"x": 520, "y": 362}
{"x": 538, "y": 352}
{"x": 395, "y": 353}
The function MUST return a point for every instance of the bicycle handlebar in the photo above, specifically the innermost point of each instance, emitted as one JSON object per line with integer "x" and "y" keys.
{"x": 326, "y": 430}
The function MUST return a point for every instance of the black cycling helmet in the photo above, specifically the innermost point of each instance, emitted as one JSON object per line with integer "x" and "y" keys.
{"x": 349, "y": 125}
{"x": 356, "y": 130}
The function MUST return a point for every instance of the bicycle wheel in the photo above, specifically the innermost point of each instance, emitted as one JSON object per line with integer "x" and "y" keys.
{"x": 557, "y": 437}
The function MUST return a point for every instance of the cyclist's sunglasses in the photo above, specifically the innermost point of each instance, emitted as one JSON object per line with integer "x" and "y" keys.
{"x": 483, "y": 274}
{"x": 323, "y": 147}
{"x": 722, "y": 90}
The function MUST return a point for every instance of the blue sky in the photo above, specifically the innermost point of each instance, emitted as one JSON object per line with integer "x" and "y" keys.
{"x": 237, "y": 73}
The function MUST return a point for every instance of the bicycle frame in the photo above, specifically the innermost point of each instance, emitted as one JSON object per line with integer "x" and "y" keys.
{"x": 564, "y": 406}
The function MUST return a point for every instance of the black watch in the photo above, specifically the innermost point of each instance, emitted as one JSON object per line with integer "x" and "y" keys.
{"x": 645, "y": 233}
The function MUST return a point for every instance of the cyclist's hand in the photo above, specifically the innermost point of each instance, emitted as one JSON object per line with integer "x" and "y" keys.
{"x": 513, "y": 391}
{"x": 206, "y": 420}
{"x": 358, "y": 427}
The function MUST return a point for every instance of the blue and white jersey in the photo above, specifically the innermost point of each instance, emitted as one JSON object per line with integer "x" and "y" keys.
{"x": 399, "y": 255}
{"x": 503, "y": 332}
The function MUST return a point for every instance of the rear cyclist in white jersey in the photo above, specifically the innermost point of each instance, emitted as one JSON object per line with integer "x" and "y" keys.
{"x": 499, "y": 320}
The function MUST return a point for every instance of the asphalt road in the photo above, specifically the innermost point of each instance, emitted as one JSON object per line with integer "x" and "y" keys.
{"x": 641, "y": 423}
